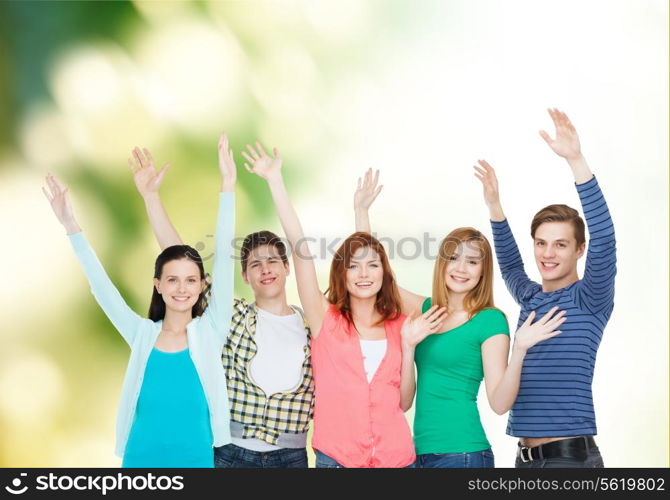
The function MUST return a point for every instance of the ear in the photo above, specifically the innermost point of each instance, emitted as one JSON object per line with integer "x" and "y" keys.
{"x": 157, "y": 285}
{"x": 287, "y": 267}
{"x": 203, "y": 285}
{"x": 244, "y": 277}
{"x": 580, "y": 250}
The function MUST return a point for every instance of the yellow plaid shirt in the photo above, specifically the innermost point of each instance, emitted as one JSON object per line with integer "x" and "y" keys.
{"x": 263, "y": 417}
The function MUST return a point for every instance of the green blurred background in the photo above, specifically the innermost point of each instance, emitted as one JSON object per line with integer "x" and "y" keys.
{"x": 420, "y": 89}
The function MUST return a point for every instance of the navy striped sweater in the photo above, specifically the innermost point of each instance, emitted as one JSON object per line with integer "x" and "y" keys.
{"x": 555, "y": 396}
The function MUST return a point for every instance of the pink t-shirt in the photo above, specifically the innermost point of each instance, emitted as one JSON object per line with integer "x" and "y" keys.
{"x": 356, "y": 423}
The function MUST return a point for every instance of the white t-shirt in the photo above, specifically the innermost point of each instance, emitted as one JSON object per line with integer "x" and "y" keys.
{"x": 373, "y": 353}
{"x": 277, "y": 365}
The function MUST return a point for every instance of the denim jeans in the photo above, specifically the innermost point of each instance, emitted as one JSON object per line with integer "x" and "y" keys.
{"x": 470, "y": 460}
{"x": 231, "y": 456}
{"x": 593, "y": 460}
{"x": 323, "y": 461}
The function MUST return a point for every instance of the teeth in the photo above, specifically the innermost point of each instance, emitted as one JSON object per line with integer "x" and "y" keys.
{"x": 180, "y": 299}
{"x": 549, "y": 264}
{"x": 265, "y": 282}
{"x": 364, "y": 283}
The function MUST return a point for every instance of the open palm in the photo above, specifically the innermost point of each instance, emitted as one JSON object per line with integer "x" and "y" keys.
{"x": 566, "y": 144}
{"x": 261, "y": 164}
{"x": 367, "y": 190}
{"x": 59, "y": 200}
{"x": 147, "y": 180}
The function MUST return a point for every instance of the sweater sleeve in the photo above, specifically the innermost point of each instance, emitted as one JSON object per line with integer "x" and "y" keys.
{"x": 220, "y": 308}
{"x": 124, "y": 319}
{"x": 597, "y": 290}
{"x": 511, "y": 265}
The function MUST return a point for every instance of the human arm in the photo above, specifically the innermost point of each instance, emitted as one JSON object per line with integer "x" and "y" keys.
{"x": 148, "y": 182}
{"x": 507, "y": 252}
{"x": 502, "y": 376}
{"x": 413, "y": 331}
{"x": 219, "y": 310}
{"x": 600, "y": 269}
{"x": 312, "y": 299}
{"x": 124, "y": 319}
{"x": 366, "y": 193}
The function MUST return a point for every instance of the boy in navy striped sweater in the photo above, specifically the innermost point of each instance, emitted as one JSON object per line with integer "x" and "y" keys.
{"x": 553, "y": 414}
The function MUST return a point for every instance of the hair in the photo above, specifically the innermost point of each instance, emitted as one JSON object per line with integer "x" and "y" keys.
{"x": 258, "y": 239}
{"x": 388, "y": 303}
{"x": 177, "y": 252}
{"x": 481, "y": 296}
{"x": 560, "y": 213}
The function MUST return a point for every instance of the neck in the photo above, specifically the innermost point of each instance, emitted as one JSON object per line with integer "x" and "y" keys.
{"x": 455, "y": 301}
{"x": 275, "y": 305}
{"x": 363, "y": 311}
{"x": 176, "y": 321}
{"x": 553, "y": 285}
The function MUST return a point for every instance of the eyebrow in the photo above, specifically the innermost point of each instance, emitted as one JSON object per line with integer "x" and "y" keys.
{"x": 260, "y": 259}
{"x": 371, "y": 260}
{"x": 175, "y": 276}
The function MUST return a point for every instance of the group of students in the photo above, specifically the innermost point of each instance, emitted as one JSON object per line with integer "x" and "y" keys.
{"x": 218, "y": 381}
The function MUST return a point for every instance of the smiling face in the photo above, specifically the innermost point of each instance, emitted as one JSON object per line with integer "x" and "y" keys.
{"x": 266, "y": 272}
{"x": 556, "y": 254}
{"x": 464, "y": 268}
{"x": 180, "y": 284}
{"x": 365, "y": 273}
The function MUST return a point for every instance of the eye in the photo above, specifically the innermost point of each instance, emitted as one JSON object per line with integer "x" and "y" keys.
{"x": 254, "y": 265}
{"x": 472, "y": 262}
{"x": 374, "y": 265}
{"x": 191, "y": 280}
{"x": 351, "y": 266}
{"x": 453, "y": 257}
{"x": 171, "y": 280}
{"x": 539, "y": 243}
{"x": 561, "y": 245}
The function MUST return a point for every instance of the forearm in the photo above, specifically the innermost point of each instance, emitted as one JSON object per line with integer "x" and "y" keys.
{"x": 288, "y": 217}
{"x": 362, "y": 220}
{"x": 496, "y": 213}
{"x": 163, "y": 229}
{"x": 407, "y": 378}
{"x": 71, "y": 227}
{"x": 503, "y": 396}
{"x": 580, "y": 169}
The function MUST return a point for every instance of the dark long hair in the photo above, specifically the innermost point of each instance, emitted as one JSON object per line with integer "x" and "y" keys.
{"x": 388, "y": 298}
{"x": 177, "y": 252}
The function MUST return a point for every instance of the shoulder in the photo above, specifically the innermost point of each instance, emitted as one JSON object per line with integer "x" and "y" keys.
{"x": 492, "y": 317}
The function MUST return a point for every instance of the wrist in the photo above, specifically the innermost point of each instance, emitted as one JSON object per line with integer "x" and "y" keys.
{"x": 228, "y": 187}
{"x": 151, "y": 196}
{"x": 71, "y": 227}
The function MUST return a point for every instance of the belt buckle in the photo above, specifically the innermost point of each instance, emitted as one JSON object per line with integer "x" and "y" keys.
{"x": 528, "y": 454}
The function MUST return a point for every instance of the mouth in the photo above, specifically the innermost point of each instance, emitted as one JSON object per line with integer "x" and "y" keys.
{"x": 549, "y": 266}
{"x": 364, "y": 284}
{"x": 459, "y": 280}
{"x": 268, "y": 281}
{"x": 180, "y": 298}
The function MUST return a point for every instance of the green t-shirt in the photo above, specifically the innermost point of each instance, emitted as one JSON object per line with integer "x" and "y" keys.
{"x": 449, "y": 373}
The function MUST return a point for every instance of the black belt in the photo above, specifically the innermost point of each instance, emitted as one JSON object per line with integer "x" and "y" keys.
{"x": 576, "y": 448}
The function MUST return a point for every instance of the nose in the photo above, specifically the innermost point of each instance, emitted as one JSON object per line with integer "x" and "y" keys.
{"x": 460, "y": 265}
{"x": 182, "y": 286}
{"x": 548, "y": 251}
{"x": 265, "y": 269}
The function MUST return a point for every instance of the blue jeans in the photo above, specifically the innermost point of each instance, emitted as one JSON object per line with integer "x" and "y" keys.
{"x": 323, "y": 461}
{"x": 231, "y": 456}
{"x": 473, "y": 460}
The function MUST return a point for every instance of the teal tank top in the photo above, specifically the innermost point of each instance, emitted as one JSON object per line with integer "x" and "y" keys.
{"x": 171, "y": 426}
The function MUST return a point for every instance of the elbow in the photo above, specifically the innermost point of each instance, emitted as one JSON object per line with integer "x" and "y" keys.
{"x": 405, "y": 406}
{"x": 499, "y": 409}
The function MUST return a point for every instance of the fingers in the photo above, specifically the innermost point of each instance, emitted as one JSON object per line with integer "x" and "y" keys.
{"x": 253, "y": 153}
{"x": 260, "y": 149}
{"x": 161, "y": 174}
{"x": 46, "y": 193}
{"x": 138, "y": 157}
{"x": 549, "y": 314}
{"x": 358, "y": 185}
{"x": 249, "y": 169}
{"x": 131, "y": 164}
{"x": 275, "y": 152}
{"x": 546, "y": 137}
{"x": 248, "y": 158}
{"x": 529, "y": 319}
{"x": 376, "y": 179}
{"x": 147, "y": 155}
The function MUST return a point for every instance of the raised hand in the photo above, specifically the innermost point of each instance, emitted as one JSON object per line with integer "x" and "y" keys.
{"x": 367, "y": 190}
{"x": 227, "y": 164}
{"x": 487, "y": 176}
{"x": 566, "y": 143}
{"x": 59, "y": 199}
{"x": 260, "y": 163}
{"x": 414, "y": 330}
{"x": 147, "y": 180}
{"x": 545, "y": 328}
